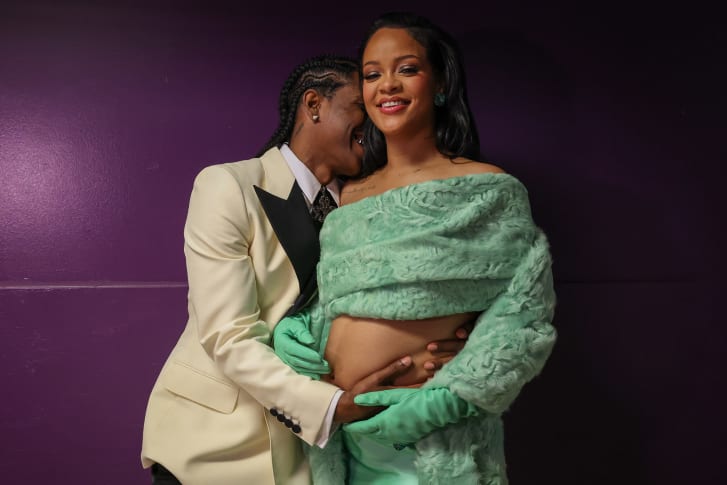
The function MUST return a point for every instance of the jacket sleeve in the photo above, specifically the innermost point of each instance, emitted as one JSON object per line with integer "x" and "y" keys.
{"x": 511, "y": 340}
{"x": 223, "y": 296}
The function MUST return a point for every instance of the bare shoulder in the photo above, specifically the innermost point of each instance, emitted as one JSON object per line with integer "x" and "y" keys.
{"x": 466, "y": 166}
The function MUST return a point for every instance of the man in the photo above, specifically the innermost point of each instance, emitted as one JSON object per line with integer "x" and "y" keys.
{"x": 225, "y": 409}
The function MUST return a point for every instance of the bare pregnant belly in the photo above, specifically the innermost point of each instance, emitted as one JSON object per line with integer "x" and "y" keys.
{"x": 357, "y": 347}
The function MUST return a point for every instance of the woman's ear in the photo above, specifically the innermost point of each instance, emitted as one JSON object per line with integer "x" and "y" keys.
{"x": 440, "y": 99}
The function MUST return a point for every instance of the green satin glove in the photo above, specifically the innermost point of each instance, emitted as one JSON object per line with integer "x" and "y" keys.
{"x": 412, "y": 413}
{"x": 292, "y": 342}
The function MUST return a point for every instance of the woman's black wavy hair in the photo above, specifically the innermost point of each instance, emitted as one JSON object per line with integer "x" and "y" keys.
{"x": 454, "y": 126}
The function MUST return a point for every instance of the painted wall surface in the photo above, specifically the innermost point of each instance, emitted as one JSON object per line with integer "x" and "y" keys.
{"x": 613, "y": 119}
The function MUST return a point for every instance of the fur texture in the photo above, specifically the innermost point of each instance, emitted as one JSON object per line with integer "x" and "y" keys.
{"x": 439, "y": 248}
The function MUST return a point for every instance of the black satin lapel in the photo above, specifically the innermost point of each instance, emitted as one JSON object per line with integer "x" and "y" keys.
{"x": 296, "y": 232}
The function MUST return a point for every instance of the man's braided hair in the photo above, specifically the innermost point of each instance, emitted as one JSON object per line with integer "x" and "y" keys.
{"x": 325, "y": 74}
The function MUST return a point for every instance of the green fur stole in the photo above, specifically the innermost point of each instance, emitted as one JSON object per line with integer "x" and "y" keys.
{"x": 438, "y": 248}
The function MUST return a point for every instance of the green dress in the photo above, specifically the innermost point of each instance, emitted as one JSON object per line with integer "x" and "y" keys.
{"x": 436, "y": 248}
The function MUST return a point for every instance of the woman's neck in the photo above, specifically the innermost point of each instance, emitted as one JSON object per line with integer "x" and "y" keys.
{"x": 411, "y": 153}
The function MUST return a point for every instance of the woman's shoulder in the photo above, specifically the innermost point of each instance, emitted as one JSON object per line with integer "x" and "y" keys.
{"x": 467, "y": 166}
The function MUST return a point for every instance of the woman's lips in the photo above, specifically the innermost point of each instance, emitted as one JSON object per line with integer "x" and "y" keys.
{"x": 392, "y": 106}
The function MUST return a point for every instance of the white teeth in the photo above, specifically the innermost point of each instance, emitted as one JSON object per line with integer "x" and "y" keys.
{"x": 389, "y": 104}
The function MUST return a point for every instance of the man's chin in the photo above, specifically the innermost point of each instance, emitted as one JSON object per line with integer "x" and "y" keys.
{"x": 353, "y": 171}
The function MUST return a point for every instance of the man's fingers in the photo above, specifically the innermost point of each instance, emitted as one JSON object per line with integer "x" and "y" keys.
{"x": 392, "y": 370}
{"x": 465, "y": 330}
{"x": 376, "y": 379}
{"x": 442, "y": 352}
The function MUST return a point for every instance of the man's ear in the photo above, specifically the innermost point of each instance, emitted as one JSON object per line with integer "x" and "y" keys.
{"x": 312, "y": 104}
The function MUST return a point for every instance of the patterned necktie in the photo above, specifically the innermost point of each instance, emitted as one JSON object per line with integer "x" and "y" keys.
{"x": 322, "y": 205}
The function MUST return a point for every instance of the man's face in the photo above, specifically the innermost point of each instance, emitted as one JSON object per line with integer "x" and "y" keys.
{"x": 342, "y": 118}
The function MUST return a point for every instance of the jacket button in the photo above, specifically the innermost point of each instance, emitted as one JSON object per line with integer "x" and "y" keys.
{"x": 295, "y": 428}
{"x": 281, "y": 417}
{"x": 273, "y": 411}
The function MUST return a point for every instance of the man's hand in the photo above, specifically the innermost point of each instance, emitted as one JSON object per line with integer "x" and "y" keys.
{"x": 444, "y": 350}
{"x": 347, "y": 410}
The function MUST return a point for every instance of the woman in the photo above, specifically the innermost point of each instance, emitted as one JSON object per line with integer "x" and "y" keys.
{"x": 427, "y": 240}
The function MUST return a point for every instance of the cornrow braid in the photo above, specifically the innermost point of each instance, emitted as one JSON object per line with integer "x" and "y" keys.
{"x": 325, "y": 74}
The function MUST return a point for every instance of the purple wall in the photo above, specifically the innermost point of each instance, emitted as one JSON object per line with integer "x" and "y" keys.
{"x": 613, "y": 119}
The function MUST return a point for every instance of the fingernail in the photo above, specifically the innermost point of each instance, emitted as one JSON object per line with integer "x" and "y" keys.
{"x": 428, "y": 365}
{"x": 461, "y": 333}
{"x": 432, "y": 347}
{"x": 405, "y": 361}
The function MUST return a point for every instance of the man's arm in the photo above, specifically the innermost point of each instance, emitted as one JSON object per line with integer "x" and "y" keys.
{"x": 223, "y": 299}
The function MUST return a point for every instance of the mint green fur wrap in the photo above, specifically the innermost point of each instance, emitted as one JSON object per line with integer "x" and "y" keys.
{"x": 437, "y": 248}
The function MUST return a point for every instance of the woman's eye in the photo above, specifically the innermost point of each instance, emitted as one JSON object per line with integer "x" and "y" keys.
{"x": 371, "y": 76}
{"x": 409, "y": 70}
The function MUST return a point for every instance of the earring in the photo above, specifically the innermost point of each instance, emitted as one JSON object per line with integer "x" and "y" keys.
{"x": 439, "y": 100}
{"x": 316, "y": 118}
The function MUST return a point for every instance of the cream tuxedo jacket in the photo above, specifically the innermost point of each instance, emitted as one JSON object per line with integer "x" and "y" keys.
{"x": 250, "y": 248}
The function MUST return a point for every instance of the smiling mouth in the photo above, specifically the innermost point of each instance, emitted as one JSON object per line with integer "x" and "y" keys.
{"x": 391, "y": 104}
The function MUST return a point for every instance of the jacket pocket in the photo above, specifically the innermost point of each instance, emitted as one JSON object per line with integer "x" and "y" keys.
{"x": 185, "y": 381}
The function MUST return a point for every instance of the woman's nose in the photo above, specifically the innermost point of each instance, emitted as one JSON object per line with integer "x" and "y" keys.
{"x": 389, "y": 84}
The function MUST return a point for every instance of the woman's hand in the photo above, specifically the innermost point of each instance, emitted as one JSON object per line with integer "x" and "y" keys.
{"x": 293, "y": 342}
{"x": 413, "y": 414}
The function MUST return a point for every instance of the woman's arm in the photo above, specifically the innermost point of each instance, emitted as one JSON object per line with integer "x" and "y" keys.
{"x": 511, "y": 340}
{"x": 508, "y": 347}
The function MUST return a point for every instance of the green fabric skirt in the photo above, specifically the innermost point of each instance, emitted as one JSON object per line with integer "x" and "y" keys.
{"x": 374, "y": 463}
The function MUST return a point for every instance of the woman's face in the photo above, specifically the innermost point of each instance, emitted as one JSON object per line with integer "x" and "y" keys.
{"x": 398, "y": 84}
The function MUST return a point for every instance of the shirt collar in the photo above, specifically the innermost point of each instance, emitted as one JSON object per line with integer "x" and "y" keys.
{"x": 308, "y": 182}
